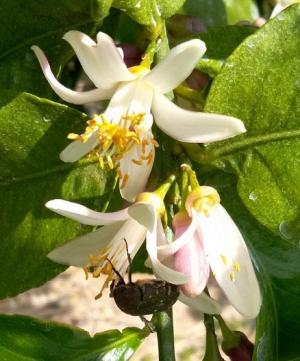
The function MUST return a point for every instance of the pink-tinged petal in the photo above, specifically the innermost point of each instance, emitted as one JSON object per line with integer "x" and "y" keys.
{"x": 191, "y": 260}
{"x": 176, "y": 66}
{"x": 65, "y": 93}
{"x": 135, "y": 168}
{"x": 184, "y": 232}
{"x": 201, "y": 303}
{"x": 77, "y": 149}
{"x": 77, "y": 252}
{"x": 159, "y": 269}
{"x": 193, "y": 127}
{"x": 84, "y": 215}
{"x": 102, "y": 61}
{"x": 229, "y": 260}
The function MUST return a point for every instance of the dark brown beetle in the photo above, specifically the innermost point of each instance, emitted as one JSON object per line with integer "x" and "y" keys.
{"x": 143, "y": 297}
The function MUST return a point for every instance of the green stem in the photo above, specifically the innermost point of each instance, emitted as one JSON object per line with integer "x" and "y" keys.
{"x": 165, "y": 335}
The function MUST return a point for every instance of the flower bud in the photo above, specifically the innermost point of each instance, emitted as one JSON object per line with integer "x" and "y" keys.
{"x": 241, "y": 352}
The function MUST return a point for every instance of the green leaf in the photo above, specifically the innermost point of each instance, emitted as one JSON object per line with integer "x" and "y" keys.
{"x": 278, "y": 324}
{"x": 210, "y": 13}
{"x": 24, "y": 338}
{"x": 33, "y": 132}
{"x": 148, "y": 12}
{"x": 220, "y": 43}
{"x": 238, "y": 10}
{"x": 39, "y": 23}
{"x": 259, "y": 84}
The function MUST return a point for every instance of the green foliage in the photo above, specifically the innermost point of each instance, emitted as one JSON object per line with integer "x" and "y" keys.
{"x": 259, "y": 84}
{"x": 24, "y": 338}
{"x": 238, "y": 10}
{"x": 43, "y": 24}
{"x": 33, "y": 132}
{"x": 148, "y": 12}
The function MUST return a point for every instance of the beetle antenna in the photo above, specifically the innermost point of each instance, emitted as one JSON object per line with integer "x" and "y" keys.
{"x": 114, "y": 269}
{"x": 129, "y": 261}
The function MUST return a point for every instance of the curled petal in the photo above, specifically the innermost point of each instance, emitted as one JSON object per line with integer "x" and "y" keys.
{"x": 202, "y": 303}
{"x": 135, "y": 168}
{"x": 193, "y": 127}
{"x": 101, "y": 62}
{"x": 144, "y": 213}
{"x": 65, "y": 93}
{"x": 78, "y": 149}
{"x": 84, "y": 215}
{"x": 180, "y": 241}
{"x": 176, "y": 66}
{"x": 159, "y": 269}
{"x": 229, "y": 260}
{"x": 77, "y": 252}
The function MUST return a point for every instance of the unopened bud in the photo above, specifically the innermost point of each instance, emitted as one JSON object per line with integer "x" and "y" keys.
{"x": 242, "y": 352}
{"x": 235, "y": 343}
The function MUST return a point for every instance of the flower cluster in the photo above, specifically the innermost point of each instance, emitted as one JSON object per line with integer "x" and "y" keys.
{"x": 204, "y": 235}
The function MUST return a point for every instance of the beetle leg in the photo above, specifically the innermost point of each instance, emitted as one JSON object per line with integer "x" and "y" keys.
{"x": 148, "y": 324}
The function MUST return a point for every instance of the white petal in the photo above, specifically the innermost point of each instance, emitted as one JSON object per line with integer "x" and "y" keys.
{"x": 137, "y": 174}
{"x": 78, "y": 149}
{"x": 277, "y": 9}
{"x": 226, "y": 251}
{"x": 134, "y": 234}
{"x": 120, "y": 102}
{"x": 173, "y": 247}
{"x": 159, "y": 269}
{"x": 202, "y": 303}
{"x": 176, "y": 66}
{"x": 193, "y": 127}
{"x": 77, "y": 251}
{"x": 65, "y": 93}
{"x": 144, "y": 213}
{"x": 101, "y": 62}
{"x": 84, "y": 215}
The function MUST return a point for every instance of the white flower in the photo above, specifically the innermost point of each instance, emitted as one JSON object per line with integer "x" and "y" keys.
{"x": 92, "y": 250}
{"x": 207, "y": 237}
{"x": 281, "y": 5}
{"x": 122, "y": 135}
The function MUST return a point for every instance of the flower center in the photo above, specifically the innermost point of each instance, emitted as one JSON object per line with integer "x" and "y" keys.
{"x": 116, "y": 139}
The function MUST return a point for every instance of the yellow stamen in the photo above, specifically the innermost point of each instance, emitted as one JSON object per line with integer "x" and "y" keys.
{"x": 236, "y": 266}
{"x": 224, "y": 259}
{"x": 124, "y": 181}
{"x": 232, "y": 276}
{"x": 137, "y": 161}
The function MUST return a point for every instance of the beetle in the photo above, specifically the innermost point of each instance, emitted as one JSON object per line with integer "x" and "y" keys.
{"x": 143, "y": 297}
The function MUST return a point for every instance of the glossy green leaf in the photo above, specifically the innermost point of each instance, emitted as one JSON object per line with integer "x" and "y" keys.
{"x": 43, "y": 24}
{"x": 24, "y": 338}
{"x": 278, "y": 324}
{"x": 148, "y": 12}
{"x": 33, "y": 132}
{"x": 210, "y": 13}
{"x": 240, "y": 10}
{"x": 259, "y": 84}
{"x": 220, "y": 43}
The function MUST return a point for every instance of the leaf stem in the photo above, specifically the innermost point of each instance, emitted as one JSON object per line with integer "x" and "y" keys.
{"x": 165, "y": 335}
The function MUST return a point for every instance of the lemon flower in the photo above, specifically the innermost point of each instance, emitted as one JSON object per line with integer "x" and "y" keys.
{"x": 93, "y": 250}
{"x": 122, "y": 136}
{"x": 207, "y": 238}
